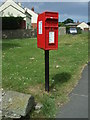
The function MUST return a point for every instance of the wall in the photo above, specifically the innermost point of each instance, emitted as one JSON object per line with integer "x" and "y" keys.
{"x": 28, "y": 22}
{"x": 33, "y": 14}
{"x": 34, "y": 25}
{"x": 10, "y": 11}
{"x": 83, "y": 25}
{"x": 16, "y": 34}
{"x": 12, "y": 8}
{"x": 62, "y": 31}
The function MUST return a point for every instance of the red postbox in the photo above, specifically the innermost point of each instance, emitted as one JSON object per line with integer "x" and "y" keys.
{"x": 47, "y": 30}
{"x": 47, "y": 37}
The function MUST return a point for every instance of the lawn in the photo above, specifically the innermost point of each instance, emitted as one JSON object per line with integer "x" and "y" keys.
{"x": 23, "y": 69}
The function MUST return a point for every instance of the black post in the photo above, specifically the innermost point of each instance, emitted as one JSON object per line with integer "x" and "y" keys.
{"x": 47, "y": 70}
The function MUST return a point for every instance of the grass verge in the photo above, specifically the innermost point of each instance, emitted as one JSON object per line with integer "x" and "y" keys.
{"x": 24, "y": 69}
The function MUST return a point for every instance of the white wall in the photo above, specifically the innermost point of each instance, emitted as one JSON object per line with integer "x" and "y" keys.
{"x": 11, "y": 2}
{"x": 34, "y": 15}
{"x": 28, "y": 22}
{"x": 83, "y": 25}
{"x": 11, "y": 11}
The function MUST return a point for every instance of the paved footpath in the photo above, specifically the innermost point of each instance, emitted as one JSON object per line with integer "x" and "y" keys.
{"x": 77, "y": 107}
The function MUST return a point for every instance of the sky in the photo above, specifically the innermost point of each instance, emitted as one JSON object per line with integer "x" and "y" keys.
{"x": 78, "y": 11}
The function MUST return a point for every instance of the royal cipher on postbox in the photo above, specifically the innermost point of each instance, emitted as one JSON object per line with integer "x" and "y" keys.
{"x": 47, "y": 30}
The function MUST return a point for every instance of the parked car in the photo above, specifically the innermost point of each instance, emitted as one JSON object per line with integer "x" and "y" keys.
{"x": 73, "y": 31}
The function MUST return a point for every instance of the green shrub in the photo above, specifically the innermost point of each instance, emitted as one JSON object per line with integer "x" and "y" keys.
{"x": 67, "y": 29}
{"x": 48, "y": 106}
{"x": 79, "y": 31}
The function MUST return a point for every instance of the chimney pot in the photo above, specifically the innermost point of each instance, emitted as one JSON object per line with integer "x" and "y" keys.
{"x": 32, "y": 9}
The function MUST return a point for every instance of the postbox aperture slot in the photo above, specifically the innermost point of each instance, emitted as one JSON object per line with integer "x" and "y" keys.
{"x": 51, "y": 18}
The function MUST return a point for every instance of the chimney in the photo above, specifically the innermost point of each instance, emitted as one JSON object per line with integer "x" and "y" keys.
{"x": 32, "y": 9}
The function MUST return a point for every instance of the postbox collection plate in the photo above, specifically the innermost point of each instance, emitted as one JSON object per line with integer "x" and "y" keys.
{"x": 51, "y": 37}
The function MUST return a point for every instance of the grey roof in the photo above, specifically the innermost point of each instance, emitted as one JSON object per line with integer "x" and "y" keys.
{"x": 71, "y": 24}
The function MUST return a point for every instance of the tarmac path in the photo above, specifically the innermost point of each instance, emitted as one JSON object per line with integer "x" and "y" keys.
{"x": 77, "y": 107}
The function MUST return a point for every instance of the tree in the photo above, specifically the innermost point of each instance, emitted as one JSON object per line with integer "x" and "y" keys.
{"x": 88, "y": 23}
{"x": 69, "y": 20}
{"x": 61, "y": 24}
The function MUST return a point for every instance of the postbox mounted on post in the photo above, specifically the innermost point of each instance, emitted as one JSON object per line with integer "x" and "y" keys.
{"x": 47, "y": 31}
{"x": 47, "y": 38}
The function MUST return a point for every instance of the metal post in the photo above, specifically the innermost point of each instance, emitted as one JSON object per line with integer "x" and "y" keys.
{"x": 47, "y": 70}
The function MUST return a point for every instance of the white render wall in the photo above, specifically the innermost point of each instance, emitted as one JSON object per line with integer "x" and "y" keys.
{"x": 28, "y": 22}
{"x": 11, "y": 2}
{"x": 11, "y": 11}
{"x": 83, "y": 25}
{"x": 34, "y": 15}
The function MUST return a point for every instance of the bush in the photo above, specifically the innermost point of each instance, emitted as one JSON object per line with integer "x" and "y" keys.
{"x": 67, "y": 29}
{"x": 48, "y": 106}
{"x": 79, "y": 31}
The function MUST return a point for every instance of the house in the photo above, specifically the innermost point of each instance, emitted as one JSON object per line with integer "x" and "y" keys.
{"x": 84, "y": 26}
{"x": 70, "y": 26}
{"x": 80, "y": 25}
{"x": 14, "y": 16}
{"x": 34, "y": 17}
{"x": 11, "y": 13}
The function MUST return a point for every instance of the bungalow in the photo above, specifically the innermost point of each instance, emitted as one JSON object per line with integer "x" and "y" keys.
{"x": 84, "y": 26}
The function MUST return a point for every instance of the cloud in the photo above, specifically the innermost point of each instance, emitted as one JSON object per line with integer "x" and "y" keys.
{"x": 74, "y": 0}
{"x": 49, "y": 0}
{"x": 55, "y": 0}
{"x": 74, "y": 17}
{"x": 75, "y": 10}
